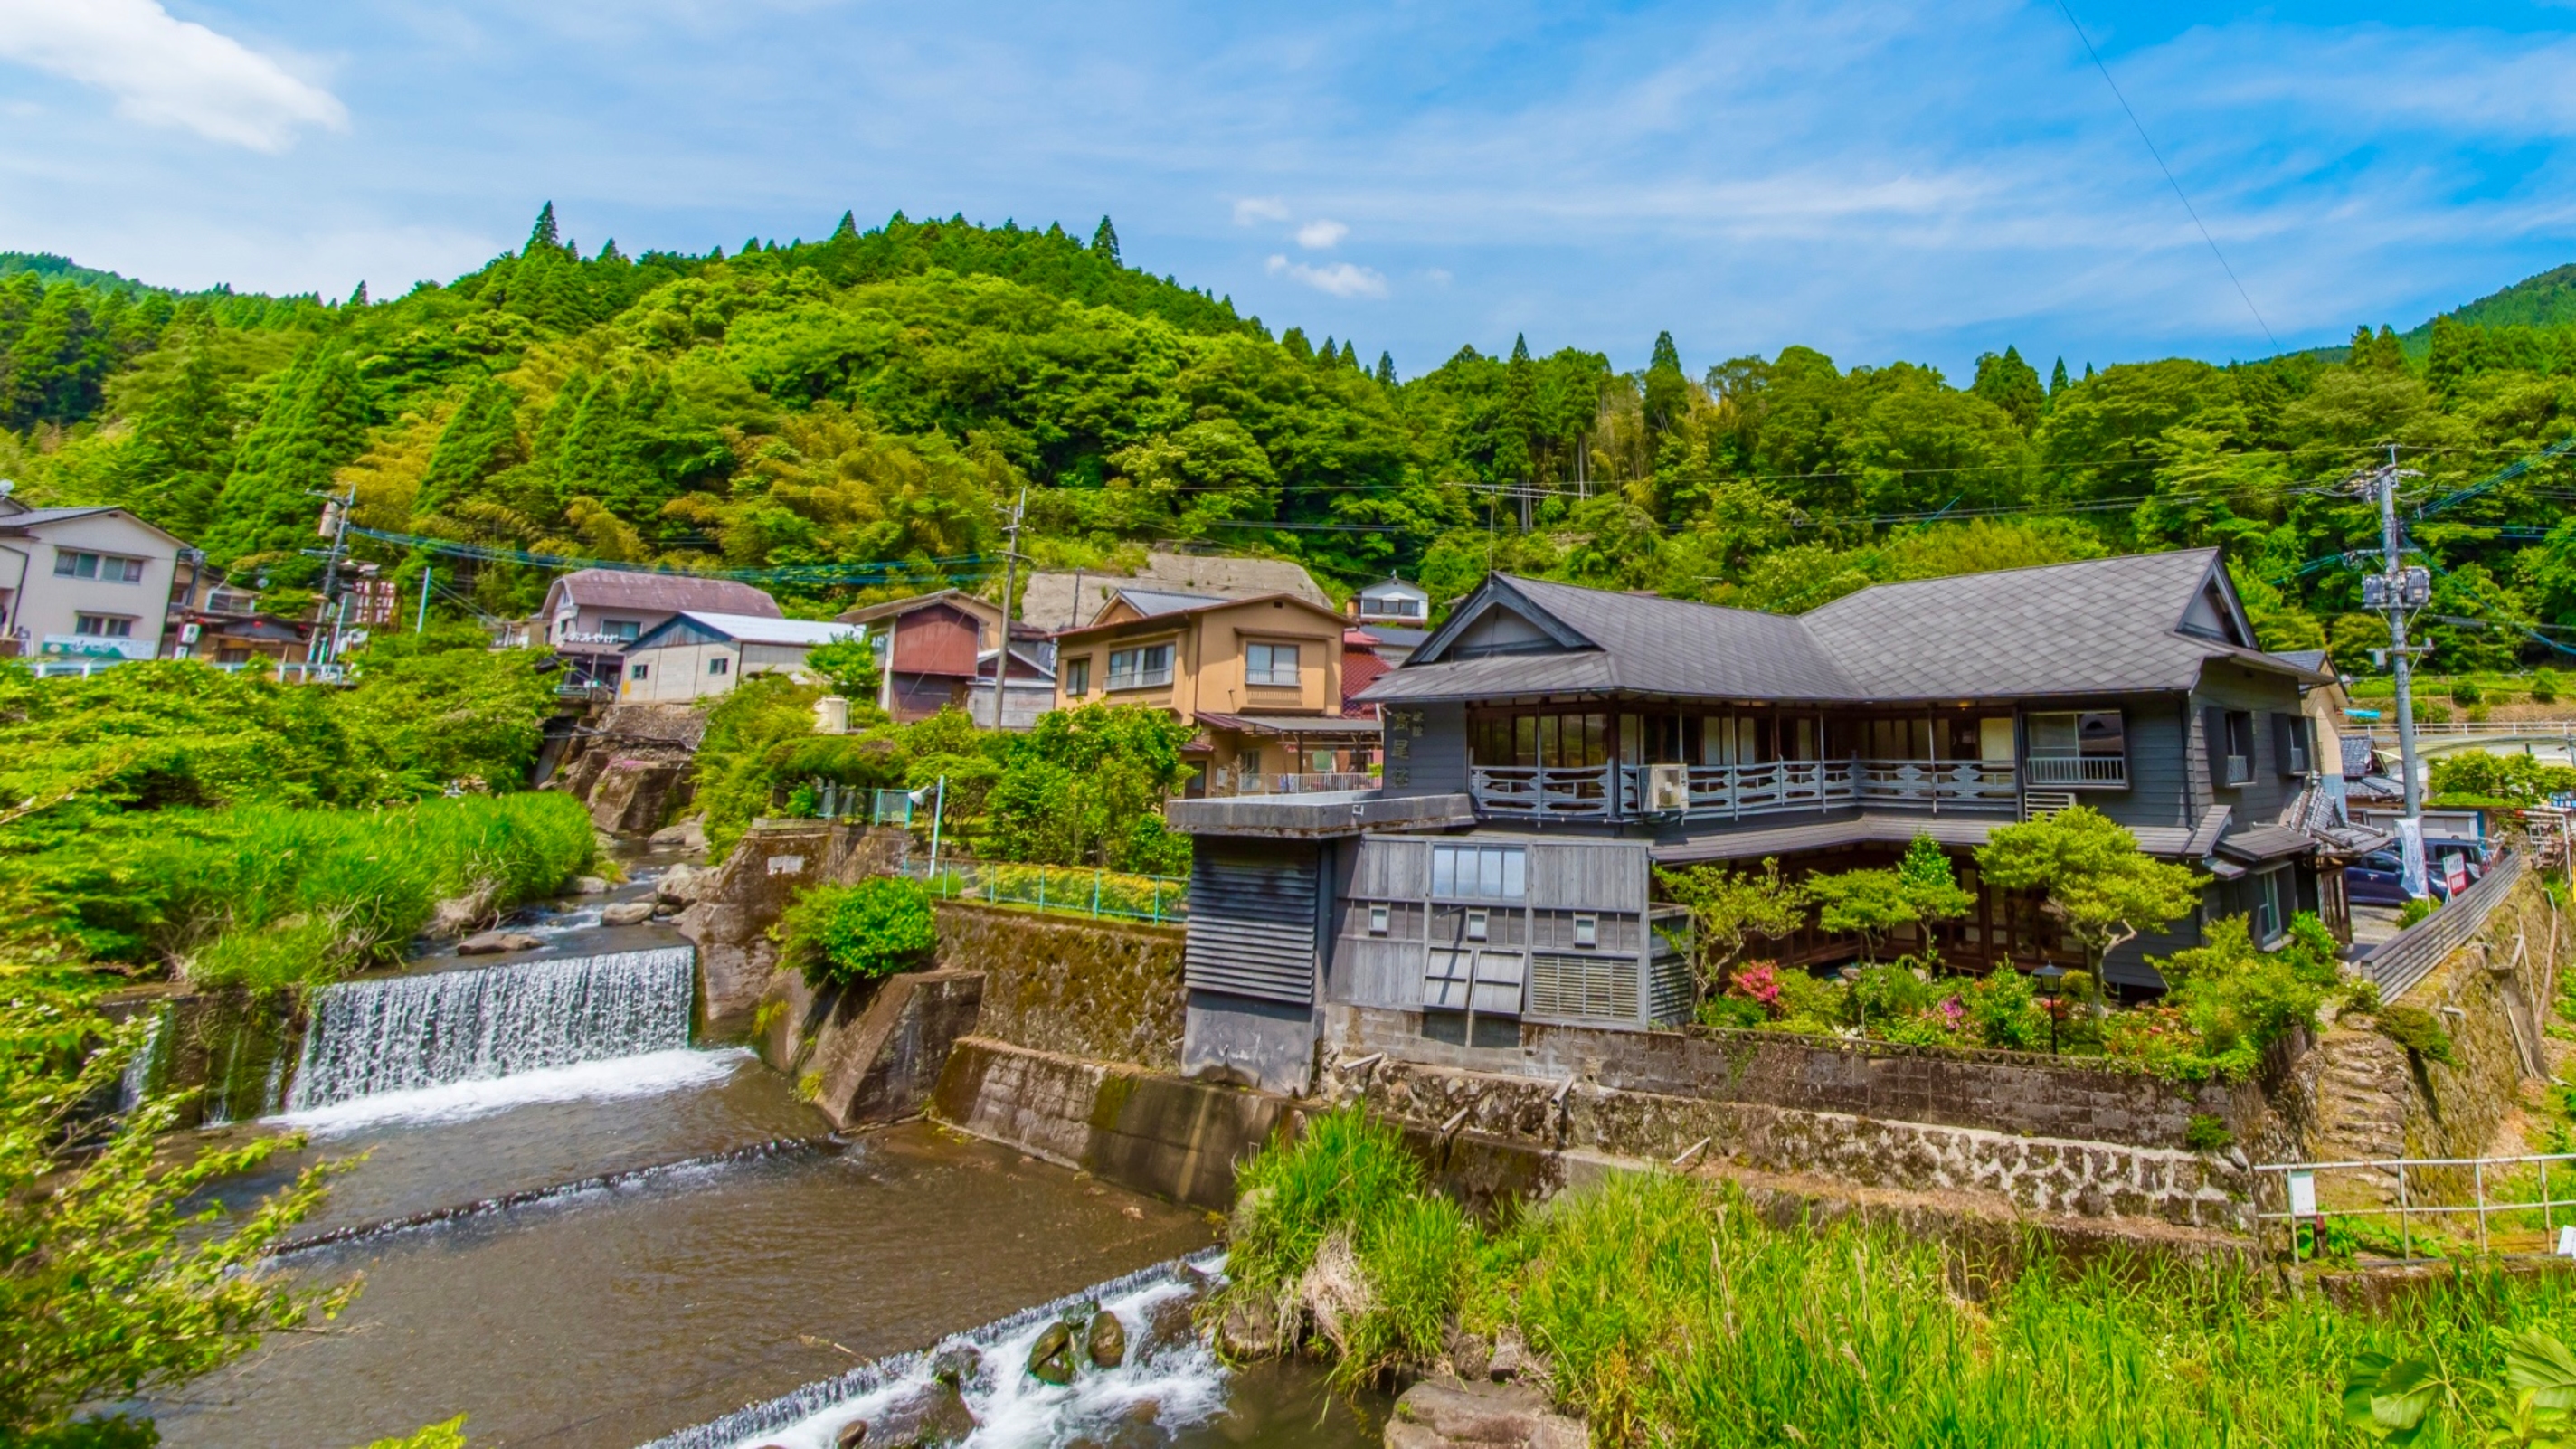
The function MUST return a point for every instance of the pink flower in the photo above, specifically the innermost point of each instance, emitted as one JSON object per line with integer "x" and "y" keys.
{"x": 1761, "y": 982}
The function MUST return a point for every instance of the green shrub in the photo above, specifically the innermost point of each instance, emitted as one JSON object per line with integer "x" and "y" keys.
{"x": 2465, "y": 692}
{"x": 2544, "y": 686}
{"x": 2419, "y": 1031}
{"x": 1740, "y": 1012}
{"x": 2207, "y": 1132}
{"x": 2416, "y": 909}
{"x": 1343, "y": 1167}
{"x": 842, "y": 934}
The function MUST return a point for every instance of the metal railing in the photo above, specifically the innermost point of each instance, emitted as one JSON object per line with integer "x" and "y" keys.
{"x": 2509, "y": 1197}
{"x": 1060, "y": 889}
{"x": 1306, "y": 783}
{"x": 2409, "y": 956}
{"x": 1733, "y": 792}
{"x": 2103, "y": 770}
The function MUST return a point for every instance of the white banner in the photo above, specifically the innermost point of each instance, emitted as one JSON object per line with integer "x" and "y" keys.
{"x": 2410, "y": 852}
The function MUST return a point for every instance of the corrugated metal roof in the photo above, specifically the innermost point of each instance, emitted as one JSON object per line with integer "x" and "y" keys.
{"x": 2102, "y": 626}
{"x": 753, "y": 629}
{"x": 673, "y": 593}
{"x": 1153, "y": 602}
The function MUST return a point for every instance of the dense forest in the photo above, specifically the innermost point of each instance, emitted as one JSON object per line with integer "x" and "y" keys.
{"x": 858, "y": 414}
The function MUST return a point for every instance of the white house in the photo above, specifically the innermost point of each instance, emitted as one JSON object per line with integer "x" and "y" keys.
{"x": 1396, "y": 615}
{"x": 591, "y": 615}
{"x": 83, "y": 583}
{"x": 696, "y": 654}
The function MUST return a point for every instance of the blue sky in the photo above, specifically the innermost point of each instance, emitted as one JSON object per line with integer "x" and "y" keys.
{"x": 1879, "y": 180}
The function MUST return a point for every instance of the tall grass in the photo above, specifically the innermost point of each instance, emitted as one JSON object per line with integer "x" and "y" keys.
{"x": 1673, "y": 1315}
{"x": 270, "y": 896}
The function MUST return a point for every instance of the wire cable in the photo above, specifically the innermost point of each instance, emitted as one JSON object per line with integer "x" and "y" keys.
{"x": 2063, "y": 9}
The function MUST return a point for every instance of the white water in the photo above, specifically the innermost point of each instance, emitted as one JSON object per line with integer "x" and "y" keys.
{"x": 650, "y": 1074}
{"x": 405, "y": 1034}
{"x": 1184, "y": 1383}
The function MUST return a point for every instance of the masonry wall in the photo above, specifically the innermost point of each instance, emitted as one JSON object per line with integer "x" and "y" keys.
{"x": 1100, "y": 990}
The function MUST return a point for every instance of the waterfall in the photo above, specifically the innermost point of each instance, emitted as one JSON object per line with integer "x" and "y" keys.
{"x": 141, "y": 1070}
{"x": 409, "y": 1032}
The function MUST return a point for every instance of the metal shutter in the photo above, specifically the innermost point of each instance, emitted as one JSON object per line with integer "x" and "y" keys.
{"x": 1583, "y": 988}
{"x": 1252, "y": 921}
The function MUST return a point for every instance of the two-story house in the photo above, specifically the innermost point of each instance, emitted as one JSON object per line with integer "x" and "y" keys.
{"x": 590, "y": 616}
{"x": 1260, "y": 677}
{"x": 1396, "y": 614}
{"x": 86, "y": 583}
{"x": 1549, "y": 746}
{"x": 943, "y": 650}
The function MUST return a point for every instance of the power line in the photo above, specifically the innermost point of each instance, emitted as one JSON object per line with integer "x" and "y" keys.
{"x": 957, "y": 565}
{"x": 2062, "y": 9}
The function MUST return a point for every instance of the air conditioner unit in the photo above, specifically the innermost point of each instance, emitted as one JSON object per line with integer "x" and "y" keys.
{"x": 1667, "y": 788}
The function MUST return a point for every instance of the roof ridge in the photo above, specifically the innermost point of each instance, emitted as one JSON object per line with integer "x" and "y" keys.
{"x": 2071, "y": 563}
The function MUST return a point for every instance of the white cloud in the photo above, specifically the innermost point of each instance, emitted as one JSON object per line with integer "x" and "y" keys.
{"x": 167, "y": 72}
{"x": 1341, "y": 279}
{"x": 1259, "y": 208}
{"x": 1320, "y": 235}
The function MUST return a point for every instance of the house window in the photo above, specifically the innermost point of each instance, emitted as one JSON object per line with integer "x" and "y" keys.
{"x": 622, "y": 630}
{"x": 640, "y": 671}
{"x": 2290, "y": 733}
{"x": 1392, "y": 608}
{"x": 1587, "y": 930}
{"x": 2270, "y": 889}
{"x": 2079, "y": 747}
{"x": 1479, "y": 872}
{"x": 1380, "y": 918}
{"x": 1274, "y": 664}
{"x": 2239, "y": 763}
{"x": 1249, "y": 763}
{"x": 716, "y": 665}
{"x": 105, "y": 567}
{"x": 1479, "y": 925}
{"x": 1143, "y": 668}
{"x": 103, "y": 626}
{"x": 1077, "y": 676}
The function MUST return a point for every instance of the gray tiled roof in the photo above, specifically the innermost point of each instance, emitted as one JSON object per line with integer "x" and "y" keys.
{"x": 660, "y": 592}
{"x": 36, "y": 517}
{"x": 1150, "y": 602}
{"x": 2101, "y": 626}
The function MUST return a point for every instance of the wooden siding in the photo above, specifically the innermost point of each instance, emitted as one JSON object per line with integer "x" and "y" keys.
{"x": 2262, "y": 797}
{"x": 2159, "y": 792}
{"x": 1253, "y": 914}
{"x": 1425, "y": 749}
{"x": 938, "y": 640}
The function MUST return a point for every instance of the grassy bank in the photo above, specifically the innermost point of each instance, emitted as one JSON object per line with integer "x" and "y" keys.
{"x": 1671, "y": 1315}
{"x": 268, "y": 896}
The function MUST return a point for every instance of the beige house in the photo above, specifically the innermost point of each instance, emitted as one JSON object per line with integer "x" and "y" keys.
{"x": 83, "y": 583}
{"x": 1073, "y": 598}
{"x": 1260, "y": 677}
{"x": 696, "y": 654}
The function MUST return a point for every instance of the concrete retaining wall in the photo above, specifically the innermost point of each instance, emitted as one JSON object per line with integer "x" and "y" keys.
{"x": 1142, "y": 1130}
{"x": 878, "y": 1048}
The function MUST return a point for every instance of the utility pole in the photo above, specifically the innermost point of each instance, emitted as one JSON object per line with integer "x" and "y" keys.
{"x": 421, "y": 623}
{"x": 1010, "y": 584}
{"x": 2396, "y": 592}
{"x": 335, "y": 527}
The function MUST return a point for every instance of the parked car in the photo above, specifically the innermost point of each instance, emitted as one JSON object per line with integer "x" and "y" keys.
{"x": 2378, "y": 879}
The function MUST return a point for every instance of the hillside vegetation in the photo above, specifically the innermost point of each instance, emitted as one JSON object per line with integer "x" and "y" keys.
{"x": 855, "y": 415}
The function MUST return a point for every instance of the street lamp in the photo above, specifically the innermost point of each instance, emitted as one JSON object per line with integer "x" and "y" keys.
{"x": 2049, "y": 974}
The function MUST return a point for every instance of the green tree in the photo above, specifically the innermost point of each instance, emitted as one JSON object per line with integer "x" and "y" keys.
{"x": 847, "y": 665}
{"x": 114, "y": 1281}
{"x": 1730, "y": 910}
{"x": 1386, "y": 369}
{"x": 2102, "y": 890}
{"x": 2011, "y": 384}
{"x": 1667, "y": 397}
{"x": 1104, "y": 243}
{"x": 1074, "y": 789}
{"x": 1871, "y": 903}
{"x": 481, "y": 438}
{"x": 315, "y": 421}
{"x": 182, "y": 448}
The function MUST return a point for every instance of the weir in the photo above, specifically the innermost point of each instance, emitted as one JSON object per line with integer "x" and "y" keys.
{"x": 405, "y": 1033}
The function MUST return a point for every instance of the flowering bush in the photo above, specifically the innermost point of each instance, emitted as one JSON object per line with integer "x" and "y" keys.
{"x": 1758, "y": 983}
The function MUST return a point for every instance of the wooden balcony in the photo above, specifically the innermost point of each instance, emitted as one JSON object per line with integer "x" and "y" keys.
{"x": 1735, "y": 792}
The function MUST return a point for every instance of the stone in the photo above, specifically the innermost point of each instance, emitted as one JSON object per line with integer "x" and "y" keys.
{"x": 930, "y": 1417}
{"x": 690, "y": 834}
{"x": 1171, "y": 1323}
{"x": 1510, "y": 1359}
{"x": 1051, "y": 1357}
{"x": 956, "y": 1365}
{"x": 626, "y": 913}
{"x": 459, "y": 915}
{"x": 683, "y": 884}
{"x": 589, "y": 885}
{"x": 1107, "y": 1340}
{"x": 1468, "y": 1353}
{"x": 493, "y": 943}
{"x": 1249, "y": 1328}
{"x": 1444, "y": 1413}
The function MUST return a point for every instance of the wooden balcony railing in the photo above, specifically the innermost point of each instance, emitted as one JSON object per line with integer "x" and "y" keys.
{"x": 1733, "y": 792}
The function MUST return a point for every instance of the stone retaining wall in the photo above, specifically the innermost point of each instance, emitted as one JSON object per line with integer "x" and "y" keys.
{"x": 2056, "y": 1175}
{"x": 1103, "y": 990}
{"x": 2010, "y": 1093}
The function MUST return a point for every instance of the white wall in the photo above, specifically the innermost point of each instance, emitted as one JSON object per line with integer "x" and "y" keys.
{"x": 49, "y": 606}
{"x": 677, "y": 673}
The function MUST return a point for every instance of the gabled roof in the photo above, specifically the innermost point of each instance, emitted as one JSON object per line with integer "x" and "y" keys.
{"x": 1152, "y": 602}
{"x": 658, "y": 593}
{"x": 1072, "y": 598}
{"x": 2145, "y": 623}
{"x": 1151, "y": 605}
{"x": 984, "y": 610}
{"x": 26, "y": 519}
{"x": 746, "y": 629}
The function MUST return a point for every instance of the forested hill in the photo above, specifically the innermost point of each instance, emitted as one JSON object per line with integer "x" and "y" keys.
{"x": 863, "y": 410}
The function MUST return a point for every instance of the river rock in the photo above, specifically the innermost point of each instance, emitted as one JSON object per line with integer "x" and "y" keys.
{"x": 956, "y": 1365}
{"x": 493, "y": 943}
{"x": 931, "y": 1417}
{"x": 1248, "y": 1329}
{"x": 1447, "y": 1414}
{"x": 626, "y": 913}
{"x": 459, "y": 915}
{"x": 688, "y": 834}
{"x": 1511, "y": 1357}
{"x": 1171, "y": 1323}
{"x": 683, "y": 885}
{"x": 1051, "y": 1357}
{"x": 1107, "y": 1341}
{"x": 589, "y": 885}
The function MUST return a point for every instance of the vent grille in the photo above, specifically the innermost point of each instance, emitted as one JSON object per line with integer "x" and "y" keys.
{"x": 2036, "y": 803}
{"x": 1583, "y": 988}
